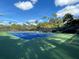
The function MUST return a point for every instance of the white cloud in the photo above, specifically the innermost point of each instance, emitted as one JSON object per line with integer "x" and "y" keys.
{"x": 41, "y": 21}
{"x": 73, "y": 9}
{"x": 34, "y": 1}
{"x": 35, "y": 20}
{"x": 25, "y": 5}
{"x": 65, "y": 2}
{"x": 32, "y": 21}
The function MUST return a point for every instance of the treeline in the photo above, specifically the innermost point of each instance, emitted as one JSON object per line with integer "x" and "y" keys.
{"x": 17, "y": 27}
{"x": 54, "y": 24}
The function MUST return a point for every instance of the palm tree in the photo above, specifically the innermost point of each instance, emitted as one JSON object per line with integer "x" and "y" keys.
{"x": 45, "y": 17}
{"x": 54, "y": 15}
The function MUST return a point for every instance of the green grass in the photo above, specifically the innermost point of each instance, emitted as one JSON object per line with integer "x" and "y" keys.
{"x": 3, "y": 33}
{"x": 39, "y": 48}
{"x": 61, "y": 37}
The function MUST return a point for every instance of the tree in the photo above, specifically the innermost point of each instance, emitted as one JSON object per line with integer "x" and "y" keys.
{"x": 67, "y": 17}
{"x": 45, "y": 17}
{"x": 16, "y": 27}
{"x": 54, "y": 15}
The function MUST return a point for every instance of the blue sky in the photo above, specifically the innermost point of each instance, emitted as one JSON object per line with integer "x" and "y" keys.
{"x": 31, "y": 10}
